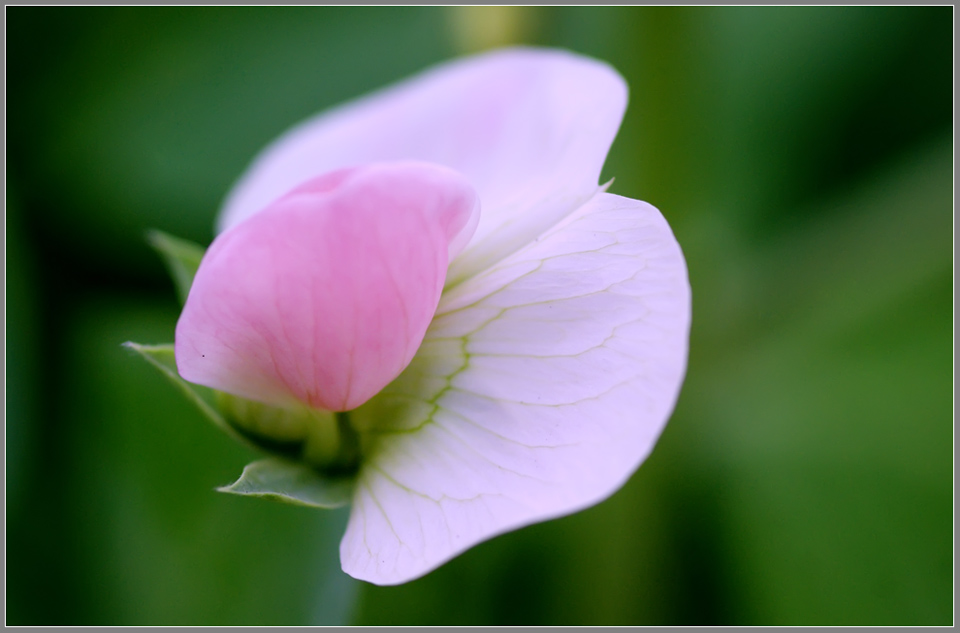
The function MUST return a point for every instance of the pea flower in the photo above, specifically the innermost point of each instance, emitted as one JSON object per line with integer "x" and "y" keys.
{"x": 422, "y": 302}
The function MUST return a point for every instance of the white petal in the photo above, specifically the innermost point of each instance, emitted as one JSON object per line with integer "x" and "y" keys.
{"x": 529, "y": 128}
{"x": 541, "y": 386}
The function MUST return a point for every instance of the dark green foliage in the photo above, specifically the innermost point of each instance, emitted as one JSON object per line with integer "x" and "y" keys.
{"x": 803, "y": 156}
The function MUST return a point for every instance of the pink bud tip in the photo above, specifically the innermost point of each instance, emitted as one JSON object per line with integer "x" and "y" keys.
{"x": 324, "y": 297}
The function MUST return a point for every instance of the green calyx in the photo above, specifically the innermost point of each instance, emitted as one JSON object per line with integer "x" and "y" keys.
{"x": 324, "y": 440}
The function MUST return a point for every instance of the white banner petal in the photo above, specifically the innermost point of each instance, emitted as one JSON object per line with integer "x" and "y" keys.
{"x": 529, "y": 128}
{"x": 541, "y": 386}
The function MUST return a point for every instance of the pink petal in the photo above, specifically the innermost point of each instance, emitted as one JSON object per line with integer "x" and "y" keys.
{"x": 325, "y": 296}
{"x": 529, "y": 128}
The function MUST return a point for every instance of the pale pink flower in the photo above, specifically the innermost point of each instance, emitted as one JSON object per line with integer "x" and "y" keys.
{"x": 439, "y": 260}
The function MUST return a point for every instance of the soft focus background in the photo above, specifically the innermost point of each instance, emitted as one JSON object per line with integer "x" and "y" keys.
{"x": 803, "y": 156}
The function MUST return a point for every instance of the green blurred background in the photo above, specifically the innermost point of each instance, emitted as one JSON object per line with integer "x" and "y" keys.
{"x": 803, "y": 157}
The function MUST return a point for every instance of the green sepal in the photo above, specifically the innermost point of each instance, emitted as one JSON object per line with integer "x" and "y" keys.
{"x": 323, "y": 439}
{"x": 182, "y": 258}
{"x": 162, "y": 357}
{"x": 292, "y": 482}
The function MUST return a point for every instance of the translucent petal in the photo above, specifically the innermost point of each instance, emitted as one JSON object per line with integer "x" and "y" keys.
{"x": 324, "y": 298}
{"x": 540, "y": 387}
{"x": 528, "y": 128}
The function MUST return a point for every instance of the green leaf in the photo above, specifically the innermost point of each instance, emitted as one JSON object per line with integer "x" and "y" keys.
{"x": 292, "y": 483}
{"x": 182, "y": 258}
{"x": 162, "y": 357}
